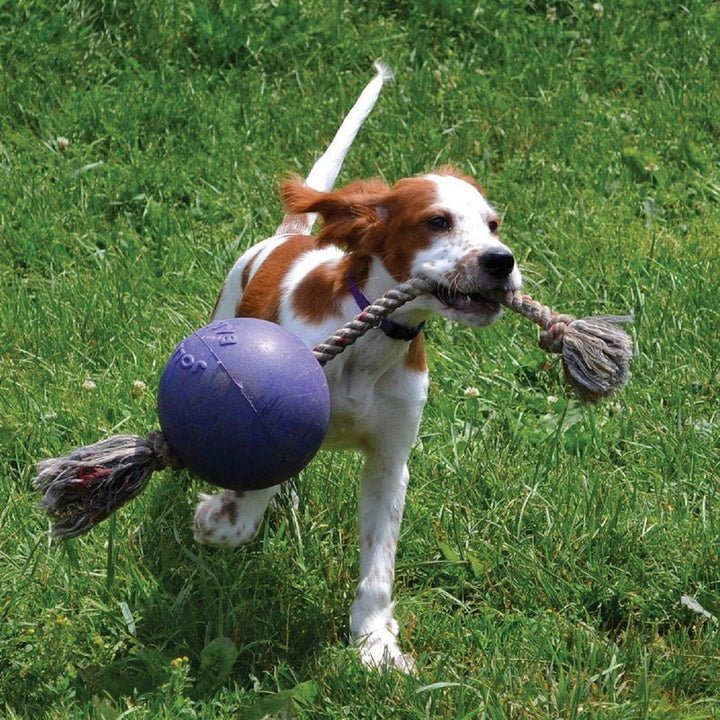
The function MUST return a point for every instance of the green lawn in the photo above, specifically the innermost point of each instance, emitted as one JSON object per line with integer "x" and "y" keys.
{"x": 546, "y": 546}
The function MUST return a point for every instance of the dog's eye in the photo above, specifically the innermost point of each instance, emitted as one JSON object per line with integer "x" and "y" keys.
{"x": 494, "y": 226}
{"x": 438, "y": 222}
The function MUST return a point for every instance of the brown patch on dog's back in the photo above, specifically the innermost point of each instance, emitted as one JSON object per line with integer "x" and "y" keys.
{"x": 320, "y": 293}
{"x": 317, "y": 296}
{"x": 245, "y": 277}
{"x": 243, "y": 282}
{"x": 261, "y": 298}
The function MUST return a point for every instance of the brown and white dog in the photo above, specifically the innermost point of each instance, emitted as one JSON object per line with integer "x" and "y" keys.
{"x": 372, "y": 238}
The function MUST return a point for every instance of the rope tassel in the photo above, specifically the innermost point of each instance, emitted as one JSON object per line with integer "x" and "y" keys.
{"x": 88, "y": 485}
{"x": 596, "y": 353}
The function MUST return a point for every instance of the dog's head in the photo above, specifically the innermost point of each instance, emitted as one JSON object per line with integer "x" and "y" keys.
{"x": 438, "y": 225}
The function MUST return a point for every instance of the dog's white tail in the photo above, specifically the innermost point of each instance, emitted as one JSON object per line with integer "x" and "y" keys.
{"x": 326, "y": 169}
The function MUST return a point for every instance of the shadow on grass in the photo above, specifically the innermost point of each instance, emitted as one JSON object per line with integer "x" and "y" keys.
{"x": 186, "y": 596}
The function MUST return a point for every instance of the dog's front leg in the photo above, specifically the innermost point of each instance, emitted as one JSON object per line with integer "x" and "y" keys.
{"x": 373, "y": 626}
{"x": 231, "y": 518}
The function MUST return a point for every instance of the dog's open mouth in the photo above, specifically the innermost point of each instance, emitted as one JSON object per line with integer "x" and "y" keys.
{"x": 471, "y": 303}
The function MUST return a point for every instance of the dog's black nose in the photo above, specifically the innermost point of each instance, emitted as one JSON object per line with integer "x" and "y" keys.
{"x": 497, "y": 263}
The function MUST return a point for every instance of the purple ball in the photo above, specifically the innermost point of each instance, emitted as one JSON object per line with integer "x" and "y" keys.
{"x": 243, "y": 403}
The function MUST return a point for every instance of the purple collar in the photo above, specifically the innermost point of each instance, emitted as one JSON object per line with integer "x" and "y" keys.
{"x": 391, "y": 329}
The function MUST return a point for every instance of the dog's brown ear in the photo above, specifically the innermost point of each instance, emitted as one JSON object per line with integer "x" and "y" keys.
{"x": 348, "y": 214}
{"x": 299, "y": 198}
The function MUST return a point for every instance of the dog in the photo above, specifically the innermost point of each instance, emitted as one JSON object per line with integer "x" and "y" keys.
{"x": 373, "y": 237}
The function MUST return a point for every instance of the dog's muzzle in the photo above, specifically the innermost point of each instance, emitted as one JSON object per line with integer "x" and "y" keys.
{"x": 479, "y": 296}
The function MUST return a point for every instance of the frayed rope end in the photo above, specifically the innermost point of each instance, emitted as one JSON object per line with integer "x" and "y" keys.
{"x": 596, "y": 356}
{"x": 92, "y": 482}
{"x": 596, "y": 352}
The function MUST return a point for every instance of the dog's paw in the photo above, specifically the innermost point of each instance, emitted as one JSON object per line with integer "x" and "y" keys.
{"x": 379, "y": 650}
{"x": 227, "y": 518}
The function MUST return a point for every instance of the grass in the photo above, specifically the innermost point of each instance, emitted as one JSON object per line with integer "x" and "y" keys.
{"x": 546, "y": 546}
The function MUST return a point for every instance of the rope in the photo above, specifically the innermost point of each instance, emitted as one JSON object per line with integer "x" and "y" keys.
{"x": 596, "y": 353}
{"x": 371, "y": 317}
{"x": 554, "y": 324}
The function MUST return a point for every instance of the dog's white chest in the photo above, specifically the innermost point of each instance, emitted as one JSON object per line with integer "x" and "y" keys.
{"x": 369, "y": 399}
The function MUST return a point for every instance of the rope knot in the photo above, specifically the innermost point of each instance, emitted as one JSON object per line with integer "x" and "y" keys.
{"x": 551, "y": 340}
{"x": 160, "y": 448}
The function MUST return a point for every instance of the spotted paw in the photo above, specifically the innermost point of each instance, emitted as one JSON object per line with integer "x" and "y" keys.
{"x": 228, "y": 518}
